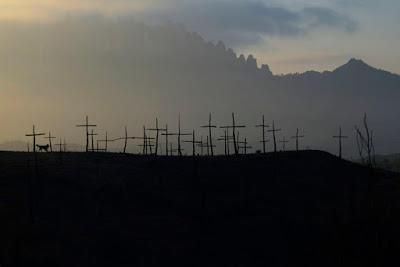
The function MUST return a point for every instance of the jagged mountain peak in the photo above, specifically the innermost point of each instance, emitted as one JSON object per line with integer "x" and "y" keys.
{"x": 354, "y": 65}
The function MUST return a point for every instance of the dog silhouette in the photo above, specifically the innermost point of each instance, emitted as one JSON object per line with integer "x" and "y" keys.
{"x": 43, "y": 148}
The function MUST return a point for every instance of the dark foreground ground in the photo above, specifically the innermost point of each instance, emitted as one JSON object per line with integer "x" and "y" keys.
{"x": 288, "y": 209}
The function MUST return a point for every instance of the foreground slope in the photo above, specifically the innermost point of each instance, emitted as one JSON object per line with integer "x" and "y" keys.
{"x": 285, "y": 209}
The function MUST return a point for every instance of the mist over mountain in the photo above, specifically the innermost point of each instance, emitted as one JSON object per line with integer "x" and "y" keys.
{"x": 123, "y": 72}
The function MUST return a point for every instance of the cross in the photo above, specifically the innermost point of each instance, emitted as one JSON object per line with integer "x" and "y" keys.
{"x": 166, "y": 134}
{"x": 263, "y": 126}
{"x": 284, "y": 142}
{"x": 274, "y": 131}
{"x": 180, "y": 134}
{"x": 60, "y": 146}
{"x": 65, "y": 145}
{"x": 234, "y": 127}
{"x": 49, "y": 137}
{"x": 146, "y": 142}
{"x": 225, "y": 139}
{"x": 126, "y": 138}
{"x": 194, "y": 143}
{"x": 157, "y": 130}
{"x": 87, "y": 126}
{"x": 210, "y": 126}
{"x": 34, "y": 134}
{"x": 340, "y": 137}
{"x": 146, "y": 146}
{"x": 92, "y": 135}
{"x": 171, "y": 150}
{"x": 297, "y": 137}
{"x": 201, "y": 145}
{"x": 245, "y": 146}
{"x": 106, "y": 140}
{"x": 205, "y": 145}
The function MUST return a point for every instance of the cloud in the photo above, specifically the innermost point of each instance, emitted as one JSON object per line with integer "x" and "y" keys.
{"x": 317, "y": 16}
{"x": 248, "y": 22}
{"x": 237, "y": 22}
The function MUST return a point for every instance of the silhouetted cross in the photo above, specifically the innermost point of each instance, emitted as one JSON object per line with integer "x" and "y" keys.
{"x": 60, "y": 145}
{"x": 274, "y": 131}
{"x": 157, "y": 130}
{"x": 92, "y": 135}
{"x": 340, "y": 137}
{"x": 284, "y": 142}
{"x": 245, "y": 146}
{"x": 225, "y": 138}
{"x": 167, "y": 134}
{"x": 33, "y": 135}
{"x": 49, "y": 137}
{"x": 234, "y": 127}
{"x": 263, "y": 126}
{"x": 194, "y": 143}
{"x": 297, "y": 137}
{"x": 106, "y": 141}
{"x": 87, "y": 126}
{"x": 210, "y": 126}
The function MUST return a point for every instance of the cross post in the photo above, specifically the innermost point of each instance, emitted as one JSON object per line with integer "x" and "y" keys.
{"x": 33, "y": 135}
{"x": 297, "y": 137}
{"x": 87, "y": 126}
{"x": 274, "y": 131}
{"x": 340, "y": 137}
{"x": 263, "y": 126}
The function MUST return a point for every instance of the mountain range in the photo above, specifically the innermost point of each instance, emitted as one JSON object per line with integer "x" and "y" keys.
{"x": 120, "y": 71}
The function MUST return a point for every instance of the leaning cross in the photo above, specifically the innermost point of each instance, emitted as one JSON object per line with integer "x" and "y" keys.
{"x": 274, "y": 131}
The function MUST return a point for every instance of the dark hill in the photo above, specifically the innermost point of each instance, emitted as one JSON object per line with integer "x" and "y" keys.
{"x": 285, "y": 209}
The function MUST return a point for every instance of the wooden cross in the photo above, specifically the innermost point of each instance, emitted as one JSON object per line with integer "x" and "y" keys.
{"x": 146, "y": 147}
{"x": 106, "y": 141}
{"x": 340, "y": 137}
{"x": 180, "y": 134}
{"x": 172, "y": 150}
{"x": 207, "y": 145}
{"x": 234, "y": 127}
{"x": 87, "y": 126}
{"x": 49, "y": 137}
{"x": 225, "y": 139}
{"x": 263, "y": 126}
{"x": 201, "y": 145}
{"x": 65, "y": 145}
{"x": 126, "y": 138}
{"x": 210, "y": 127}
{"x": 60, "y": 145}
{"x": 146, "y": 142}
{"x": 34, "y": 134}
{"x": 245, "y": 146}
{"x": 297, "y": 137}
{"x": 92, "y": 134}
{"x": 98, "y": 149}
{"x": 274, "y": 131}
{"x": 194, "y": 143}
{"x": 284, "y": 142}
{"x": 166, "y": 134}
{"x": 157, "y": 130}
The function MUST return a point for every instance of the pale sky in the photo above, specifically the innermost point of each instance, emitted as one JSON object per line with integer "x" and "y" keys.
{"x": 289, "y": 35}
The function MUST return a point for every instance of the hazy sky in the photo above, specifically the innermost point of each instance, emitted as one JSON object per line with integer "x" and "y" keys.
{"x": 289, "y": 35}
